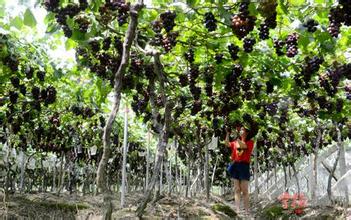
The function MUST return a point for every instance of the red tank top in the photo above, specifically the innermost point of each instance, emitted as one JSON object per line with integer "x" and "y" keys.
{"x": 245, "y": 157}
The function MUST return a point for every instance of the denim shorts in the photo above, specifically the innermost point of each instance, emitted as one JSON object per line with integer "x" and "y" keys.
{"x": 239, "y": 171}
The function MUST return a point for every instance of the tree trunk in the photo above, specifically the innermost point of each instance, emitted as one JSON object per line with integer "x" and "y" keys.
{"x": 86, "y": 179}
{"x": 343, "y": 167}
{"x": 127, "y": 178}
{"x": 69, "y": 184}
{"x": 101, "y": 171}
{"x": 169, "y": 175}
{"x": 285, "y": 178}
{"x": 331, "y": 174}
{"x": 22, "y": 159}
{"x": 28, "y": 187}
{"x": 214, "y": 146}
{"x": 161, "y": 176}
{"x": 124, "y": 163}
{"x": 159, "y": 156}
{"x": 177, "y": 180}
{"x": 181, "y": 181}
{"x": 8, "y": 168}
{"x": 191, "y": 177}
{"x": 207, "y": 183}
{"x": 187, "y": 178}
{"x": 147, "y": 160}
{"x": 62, "y": 174}
{"x": 296, "y": 178}
{"x": 163, "y": 129}
{"x": 200, "y": 173}
{"x": 330, "y": 170}
{"x": 315, "y": 164}
{"x": 200, "y": 184}
{"x": 107, "y": 206}
{"x": 196, "y": 178}
{"x": 54, "y": 177}
{"x": 129, "y": 38}
{"x": 267, "y": 179}
{"x": 275, "y": 175}
{"x": 214, "y": 171}
{"x": 157, "y": 183}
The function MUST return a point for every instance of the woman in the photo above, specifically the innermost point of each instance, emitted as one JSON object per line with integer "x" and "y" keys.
{"x": 241, "y": 152}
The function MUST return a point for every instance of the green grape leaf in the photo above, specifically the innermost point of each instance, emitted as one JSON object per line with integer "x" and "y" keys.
{"x": 297, "y": 2}
{"x": 283, "y": 7}
{"x": 53, "y": 27}
{"x": 29, "y": 18}
{"x": 224, "y": 14}
{"x": 17, "y": 22}
{"x": 49, "y": 18}
{"x": 77, "y": 35}
{"x": 319, "y": 1}
{"x": 69, "y": 44}
{"x": 2, "y": 11}
{"x": 192, "y": 3}
{"x": 304, "y": 40}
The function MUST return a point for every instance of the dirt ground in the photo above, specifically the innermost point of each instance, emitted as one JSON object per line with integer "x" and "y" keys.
{"x": 50, "y": 206}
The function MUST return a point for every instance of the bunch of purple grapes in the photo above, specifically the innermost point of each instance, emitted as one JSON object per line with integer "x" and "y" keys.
{"x": 210, "y": 22}
{"x": 291, "y": 44}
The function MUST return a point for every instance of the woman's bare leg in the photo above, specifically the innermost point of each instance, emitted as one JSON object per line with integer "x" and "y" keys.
{"x": 244, "y": 186}
{"x": 237, "y": 192}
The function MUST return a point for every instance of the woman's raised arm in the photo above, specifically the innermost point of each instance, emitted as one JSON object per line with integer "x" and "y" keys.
{"x": 226, "y": 141}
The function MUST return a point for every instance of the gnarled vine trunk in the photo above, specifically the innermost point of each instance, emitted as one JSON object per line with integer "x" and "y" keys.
{"x": 159, "y": 158}
{"x": 207, "y": 181}
{"x": 315, "y": 164}
{"x": 147, "y": 160}
{"x": 331, "y": 174}
{"x": 130, "y": 34}
{"x": 124, "y": 163}
{"x": 162, "y": 128}
{"x": 101, "y": 180}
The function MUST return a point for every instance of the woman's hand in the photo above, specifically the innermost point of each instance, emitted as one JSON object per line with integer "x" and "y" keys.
{"x": 242, "y": 144}
{"x": 240, "y": 151}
